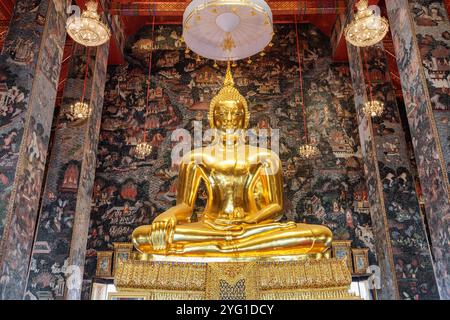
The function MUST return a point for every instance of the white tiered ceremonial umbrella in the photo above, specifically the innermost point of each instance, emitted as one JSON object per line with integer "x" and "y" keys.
{"x": 226, "y": 30}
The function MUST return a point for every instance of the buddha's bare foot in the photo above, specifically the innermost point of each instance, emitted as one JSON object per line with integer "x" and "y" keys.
{"x": 228, "y": 247}
{"x": 287, "y": 225}
{"x": 176, "y": 248}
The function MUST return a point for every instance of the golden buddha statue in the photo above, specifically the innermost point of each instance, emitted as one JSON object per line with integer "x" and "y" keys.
{"x": 245, "y": 198}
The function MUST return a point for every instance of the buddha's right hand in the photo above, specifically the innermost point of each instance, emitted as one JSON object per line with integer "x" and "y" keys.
{"x": 234, "y": 229}
{"x": 162, "y": 227}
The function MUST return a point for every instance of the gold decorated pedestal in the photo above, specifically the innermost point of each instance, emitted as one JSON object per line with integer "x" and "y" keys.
{"x": 296, "y": 279}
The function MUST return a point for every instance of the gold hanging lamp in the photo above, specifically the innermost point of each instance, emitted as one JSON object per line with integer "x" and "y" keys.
{"x": 144, "y": 148}
{"x": 81, "y": 110}
{"x": 372, "y": 108}
{"x": 87, "y": 29}
{"x": 306, "y": 151}
{"x": 367, "y": 28}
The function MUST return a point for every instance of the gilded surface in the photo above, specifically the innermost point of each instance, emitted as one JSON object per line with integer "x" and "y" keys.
{"x": 300, "y": 280}
{"x": 245, "y": 197}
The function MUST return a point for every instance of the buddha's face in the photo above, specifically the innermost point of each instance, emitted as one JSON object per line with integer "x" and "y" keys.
{"x": 229, "y": 115}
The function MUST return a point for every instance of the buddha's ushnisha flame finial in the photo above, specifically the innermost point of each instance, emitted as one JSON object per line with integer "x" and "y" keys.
{"x": 228, "y": 77}
{"x": 228, "y": 92}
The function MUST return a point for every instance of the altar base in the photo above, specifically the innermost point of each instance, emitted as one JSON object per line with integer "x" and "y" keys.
{"x": 297, "y": 279}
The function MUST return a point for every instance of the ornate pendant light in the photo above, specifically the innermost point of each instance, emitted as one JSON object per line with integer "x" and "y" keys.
{"x": 88, "y": 30}
{"x": 372, "y": 108}
{"x": 306, "y": 151}
{"x": 81, "y": 110}
{"x": 368, "y": 28}
{"x": 227, "y": 30}
{"x": 144, "y": 148}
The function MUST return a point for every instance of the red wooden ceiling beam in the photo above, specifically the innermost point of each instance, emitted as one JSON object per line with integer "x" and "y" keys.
{"x": 177, "y": 7}
{"x": 68, "y": 49}
{"x": 6, "y": 9}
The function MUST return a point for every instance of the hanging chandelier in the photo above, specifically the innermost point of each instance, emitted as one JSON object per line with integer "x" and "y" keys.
{"x": 79, "y": 111}
{"x": 368, "y": 28}
{"x": 373, "y": 108}
{"x": 308, "y": 152}
{"x": 88, "y": 30}
{"x": 143, "y": 149}
{"x": 227, "y": 30}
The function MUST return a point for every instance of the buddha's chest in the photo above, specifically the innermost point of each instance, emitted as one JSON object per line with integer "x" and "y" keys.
{"x": 231, "y": 176}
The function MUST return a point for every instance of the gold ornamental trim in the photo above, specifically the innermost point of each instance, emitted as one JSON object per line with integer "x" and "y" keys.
{"x": 253, "y": 280}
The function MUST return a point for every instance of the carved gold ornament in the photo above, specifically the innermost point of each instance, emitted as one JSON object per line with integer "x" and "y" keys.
{"x": 305, "y": 279}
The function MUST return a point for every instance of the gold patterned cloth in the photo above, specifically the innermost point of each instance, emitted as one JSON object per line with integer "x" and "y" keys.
{"x": 253, "y": 280}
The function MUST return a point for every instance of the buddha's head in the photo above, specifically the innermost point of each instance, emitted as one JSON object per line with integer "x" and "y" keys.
{"x": 228, "y": 109}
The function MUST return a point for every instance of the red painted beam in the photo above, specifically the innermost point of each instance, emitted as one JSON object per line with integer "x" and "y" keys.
{"x": 135, "y": 14}
{"x": 68, "y": 49}
{"x": 6, "y": 9}
{"x": 177, "y": 7}
{"x": 447, "y": 6}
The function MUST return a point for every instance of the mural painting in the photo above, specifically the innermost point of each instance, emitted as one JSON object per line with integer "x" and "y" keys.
{"x": 87, "y": 173}
{"x": 50, "y": 252}
{"x": 129, "y": 191}
{"x": 432, "y": 27}
{"x": 393, "y": 181}
{"x": 420, "y": 35}
{"x": 30, "y": 60}
{"x": 67, "y": 191}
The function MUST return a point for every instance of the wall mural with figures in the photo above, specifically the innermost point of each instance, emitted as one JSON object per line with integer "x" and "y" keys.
{"x": 398, "y": 217}
{"x": 433, "y": 38}
{"x": 420, "y": 32}
{"x": 29, "y": 69}
{"x": 54, "y": 231}
{"x": 432, "y": 26}
{"x": 129, "y": 192}
{"x": 71, "y": 167}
